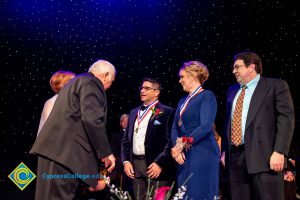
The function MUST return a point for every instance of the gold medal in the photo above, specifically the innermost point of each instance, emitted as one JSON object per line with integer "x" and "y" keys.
{"x": 179, "y": 122}
{"x": 137, "y": 129}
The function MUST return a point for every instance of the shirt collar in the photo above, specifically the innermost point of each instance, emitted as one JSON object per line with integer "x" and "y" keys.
{"x": 253, "y": 82}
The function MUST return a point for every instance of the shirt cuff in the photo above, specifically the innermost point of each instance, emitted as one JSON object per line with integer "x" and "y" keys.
{"x": 126, "y": 161}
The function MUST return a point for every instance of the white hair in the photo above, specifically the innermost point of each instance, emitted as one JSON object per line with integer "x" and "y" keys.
{"x": 124, "y": 116}
{"x": 102, "y": 67}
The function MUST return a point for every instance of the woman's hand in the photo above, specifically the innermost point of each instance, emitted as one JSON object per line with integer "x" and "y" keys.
{"x": 180, "y": 158}
{"x": 175, "y": 151}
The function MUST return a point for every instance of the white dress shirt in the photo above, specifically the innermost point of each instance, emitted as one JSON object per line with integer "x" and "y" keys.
{"x": 139, "y": 136}
{"x": 250, "y": 87}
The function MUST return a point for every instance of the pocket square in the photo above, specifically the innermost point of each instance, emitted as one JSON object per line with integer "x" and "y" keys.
{"x": 156, "y": 122}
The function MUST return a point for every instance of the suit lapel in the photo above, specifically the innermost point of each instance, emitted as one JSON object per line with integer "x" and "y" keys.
{"x": 257, "y": 98}
{"x": 150, "y": 126}
{"x": 132, "y": 122}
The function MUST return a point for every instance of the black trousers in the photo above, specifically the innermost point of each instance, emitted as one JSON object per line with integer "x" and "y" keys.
{"x": 141, "y": 180}
{"x": 260, "y": 186}
{"x": 55, "y": 188}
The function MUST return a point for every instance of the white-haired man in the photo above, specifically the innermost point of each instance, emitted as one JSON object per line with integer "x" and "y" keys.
{"x": 73, "y": 140}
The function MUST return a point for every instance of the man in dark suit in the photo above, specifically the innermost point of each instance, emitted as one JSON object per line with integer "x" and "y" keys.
{"x": 260, "y": 122}
{"x": 146, "y": 145}
{"x": 73, "y": 141}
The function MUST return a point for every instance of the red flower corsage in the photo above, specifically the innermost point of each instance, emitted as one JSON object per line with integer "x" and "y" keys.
{"x": 184, "y": 143}
{"x": 187, "y": 141}
{"x": 156, "y": 112}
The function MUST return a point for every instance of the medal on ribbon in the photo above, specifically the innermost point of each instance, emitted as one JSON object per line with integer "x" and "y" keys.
{"x": 140, "y": 116}
{"x": 186, "y": 102}
{"x": 180, "y": 122}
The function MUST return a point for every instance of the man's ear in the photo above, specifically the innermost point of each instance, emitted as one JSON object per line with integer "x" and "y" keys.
{"x": 157, "y": 92}
{"x": 252, "y": 66}
{"x": 100, "y": 76}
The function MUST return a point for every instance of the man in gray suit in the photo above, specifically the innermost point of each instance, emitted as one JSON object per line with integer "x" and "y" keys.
{"x": 260, "y": 124}
{"x": 73, "y": 141}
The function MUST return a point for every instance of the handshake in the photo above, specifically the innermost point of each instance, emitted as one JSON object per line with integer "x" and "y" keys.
{"x": 109, "y": 165}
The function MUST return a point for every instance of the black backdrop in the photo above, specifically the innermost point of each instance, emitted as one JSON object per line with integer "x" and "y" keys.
{"x": 142, "y": 39}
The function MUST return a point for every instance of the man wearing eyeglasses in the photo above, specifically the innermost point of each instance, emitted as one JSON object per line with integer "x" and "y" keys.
{"x": 146, "y": 145}
{"x": 260, "y": 123}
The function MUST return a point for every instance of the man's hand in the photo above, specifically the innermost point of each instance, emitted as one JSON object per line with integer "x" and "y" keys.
{"x": 277, "y": 161}
{"x": 175, "y": 152}
{"x": 289, "y": 176}
{"x": 109, "y": 161}
{"x": 128, "y": 169}
{"x": 154, "y": 170}
{"x": 293, "y": 162}
{"x": 100, "y": 186}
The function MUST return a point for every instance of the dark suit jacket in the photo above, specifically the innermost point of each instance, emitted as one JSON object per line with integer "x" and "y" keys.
{"x": 115, "y": 142}
{"x": 74, "y": 135}
{"x": 157, "y": 141}
{"x": 269, "y": 125}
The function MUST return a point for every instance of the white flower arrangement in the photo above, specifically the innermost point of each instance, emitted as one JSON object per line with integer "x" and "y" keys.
{"x": 162, "y": 193}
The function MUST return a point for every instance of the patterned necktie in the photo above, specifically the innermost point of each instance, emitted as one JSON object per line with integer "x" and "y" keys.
{"x": 236, "y": 129}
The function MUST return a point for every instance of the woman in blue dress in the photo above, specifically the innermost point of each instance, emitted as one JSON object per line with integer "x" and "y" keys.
{"x": 194, "y": 146}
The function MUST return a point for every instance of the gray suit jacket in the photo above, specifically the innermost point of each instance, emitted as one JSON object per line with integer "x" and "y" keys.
{"x": 74, "y": 135}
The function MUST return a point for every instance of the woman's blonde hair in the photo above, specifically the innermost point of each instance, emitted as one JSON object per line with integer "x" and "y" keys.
{"x": 197, "y": 69}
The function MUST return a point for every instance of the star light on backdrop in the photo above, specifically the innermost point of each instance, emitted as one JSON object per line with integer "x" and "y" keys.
{"x": 141, "y": 38}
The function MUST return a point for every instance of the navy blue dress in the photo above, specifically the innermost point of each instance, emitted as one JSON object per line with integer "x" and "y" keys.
{"x": 203, "y": 158}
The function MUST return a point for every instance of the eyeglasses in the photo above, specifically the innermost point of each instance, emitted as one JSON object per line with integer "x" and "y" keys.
{"x": 147, "y": 88}
{"x": 237, "y": 66}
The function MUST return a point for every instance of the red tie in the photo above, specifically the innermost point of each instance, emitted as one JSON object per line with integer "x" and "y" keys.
{"x": 236, "y": 129}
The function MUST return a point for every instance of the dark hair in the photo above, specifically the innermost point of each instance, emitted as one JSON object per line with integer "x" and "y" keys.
{"x": 154, "y": 82}
{"x": 250, "y": 58}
